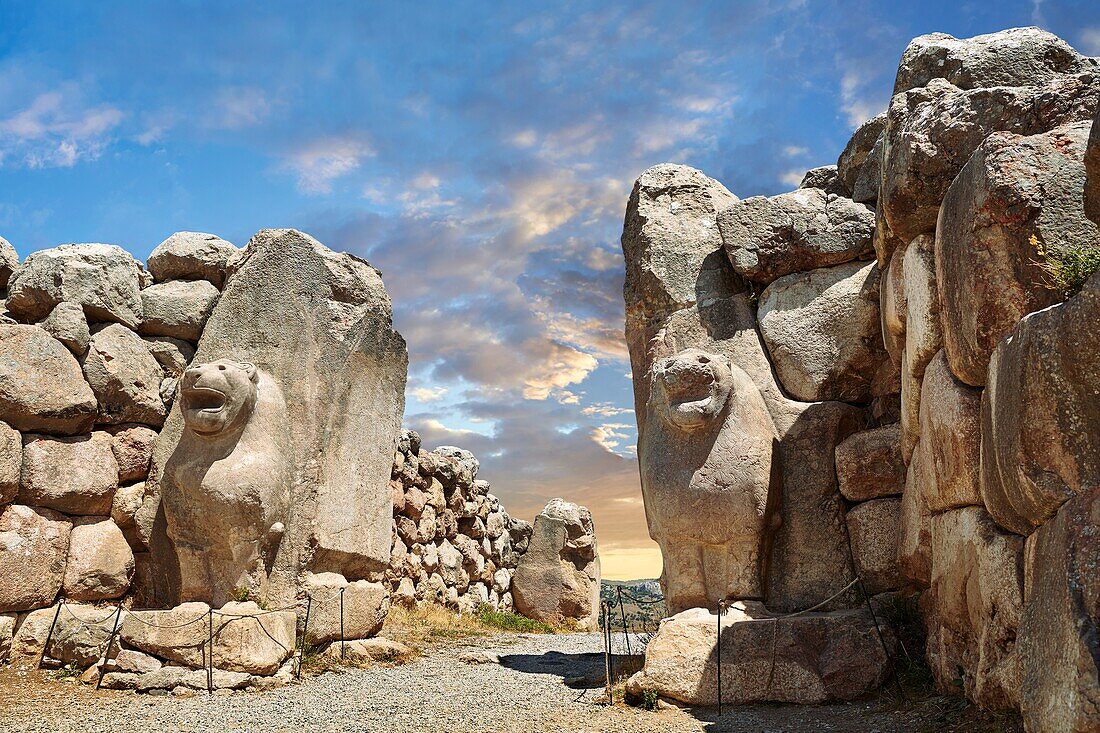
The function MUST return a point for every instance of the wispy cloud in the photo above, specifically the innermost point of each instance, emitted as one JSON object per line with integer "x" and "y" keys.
{"x": 57, "y": 130}
{"x": 320, "y": 162}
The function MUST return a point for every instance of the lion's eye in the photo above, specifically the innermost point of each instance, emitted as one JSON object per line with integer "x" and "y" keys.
{"x": 221, "y": 367}
{"x": 704, "y": 360}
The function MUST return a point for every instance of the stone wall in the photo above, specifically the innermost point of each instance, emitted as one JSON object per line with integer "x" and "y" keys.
{"x": 930, "y": 380}
{"x": 95, "y": 351}
{"x": 453, "y": 543}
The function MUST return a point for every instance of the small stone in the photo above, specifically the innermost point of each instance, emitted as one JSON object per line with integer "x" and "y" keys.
{"x": 67, "y": 324}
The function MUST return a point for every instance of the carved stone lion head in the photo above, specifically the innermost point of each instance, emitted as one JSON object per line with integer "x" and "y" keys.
{"x": 690, "y": 389}
{"x": 218, "y": 396}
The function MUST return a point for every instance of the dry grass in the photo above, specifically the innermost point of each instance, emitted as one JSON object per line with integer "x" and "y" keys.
{"x": 430, "y": 625}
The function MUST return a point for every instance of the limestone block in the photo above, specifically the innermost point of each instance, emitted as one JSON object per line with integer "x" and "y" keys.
{"x": 558, "y": 578}
{"x": 9, "y": 260}
{"x": 103, "y": 278}
{"x": 79, "y": 637}
{"x": 191, "y": 256}
{"x": 11, "y": 458}
{"x": 101, "y": 564}
{"x": 67, "y": 324}
{"x": 178, "y": 308}
{"x": 892, "y": 306}
{"x": 76, "y": 475}
{"x": 972, "y": 607}
{"x": 41, "y": 385}
{"x": 172, "y": 354}
{"x": 869, "y": 464}
{"x": 365, "y": 606}
{"x": 1059, "y": 665}
{"x": 124, "y": 377}
{"x": 823, "y": 332}
{"x": 1015, "y": 202}
{"x": 915, "y": 528}
{"x": 33, "y": 546}
{"x": 873, "y": 527}
{"x": 1040, "y": 415}
{"x": 858, "y": 156}
{"x": 817, "y": 657}
{"x": 132, "y": 446}
{"x": 766, "y": 238}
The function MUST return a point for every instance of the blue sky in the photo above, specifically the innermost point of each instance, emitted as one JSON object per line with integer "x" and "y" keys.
{"x": 480, "y": 154}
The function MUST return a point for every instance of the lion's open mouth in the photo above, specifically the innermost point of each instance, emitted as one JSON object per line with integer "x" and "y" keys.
{"x": 204, "y": 399}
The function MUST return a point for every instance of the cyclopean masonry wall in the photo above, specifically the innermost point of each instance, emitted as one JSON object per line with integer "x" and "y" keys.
{"x": 133, "y": 470}
{"x": 454, "y": 545}
{"x": 931, "y": 391}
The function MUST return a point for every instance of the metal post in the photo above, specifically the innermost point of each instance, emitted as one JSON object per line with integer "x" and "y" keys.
{"x": 878, "y": 631}
{"x": 305, "y": 632}
{"x": 606, "y": 618}
{"x": 342, "y": 624}
{"x": 49, "y": 634}
{"x": 210, "y": 657}
{"x": 622, "y": 613}
{"x": 107, "y": 649}
{"x": 719, "y": 647}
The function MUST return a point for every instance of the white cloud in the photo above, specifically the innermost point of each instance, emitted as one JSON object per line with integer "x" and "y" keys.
{"x": 1090, "y": 41}
{"x": 794, "y": 151}
{"x": 56, "y": 130}
{"x": 611, "y": 435}
{"x": 237, "y": 107}
{"x": 793, "y": 177}
{"x": 605, "y": 409}
{"x": 322, "y": 161}
{"x": 429, "y": 394}
{"x": 857, "y": 105}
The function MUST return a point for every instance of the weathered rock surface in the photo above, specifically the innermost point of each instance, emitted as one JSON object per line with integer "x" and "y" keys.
{"x": 7, "y": 632}
{"x": 892, "y": 305}
{"x": 132, "y": 446}
{"x": 124, "y": 377}
{"x": 1040, "y": 414}
{"x": 932, "y": 131}
{"x": 364, "y": 607}
{"x": 869, "y": 464}
{"x": 950, "y": 435}
{"x": 1059, "y": 668}
{"x": 873, "y": 528}
{"x": 320, "y": 325}
{"x": 34, "y": 544}
{"x": 972, "y": 608}
{"x": 79, "y": 636}
{"x": 1092, "y": 171}
{"x": 825, "y": 178}
{"x": 172, "y": 354}
{"x": 191, "y": 256}
{"x": 1016, "y": 202}
{"x": 41, "y": 385}
{"x": 72, "y": 475}
{"x": 134, "y": 513}
{"x": 365, "y": 651}
{"x": 817, "y": 657}
{"x": 67, "y": 324}
{"x": 11, "y": 458}
{"x": 859, "y": 158}
{"x": 101, "y": 564}
{"x": 178, "y": 308}
{"x": 9, "y": 260}
{"x": 823, "y": 333}
{"x": 103, "y": 278}
{"x": 246, "y": 639}
{"x": 558, "y": 579}
{"x": 915, "y": 529}
{"x": 707, "y": 467}
{"x": 766, "y": 238}
{"x": 1012, "y": 57}
{"x": 923, "y": 333}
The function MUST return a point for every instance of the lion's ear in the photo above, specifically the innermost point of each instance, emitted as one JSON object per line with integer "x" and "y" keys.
{"x": 251, "y": 370}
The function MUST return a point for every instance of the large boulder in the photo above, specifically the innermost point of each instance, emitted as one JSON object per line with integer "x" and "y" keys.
{"x": 353, "y": 610}
{"x": 133, "y": 449}
{"x": 869, "y": 464}
{"x": 11, "y": 459}
{"x": 809, "y": 659}
{"x": 79, "y": 635}
{"x": 1040, "y": 415}
{"x": 1012, "y": 57}
{"x": 124, "y": 377}
{"x": 72, "y": 475}
{"x": 858, "y": 164}
{"x": 104, "y": 279}
{"x": 246, "y": 638}
{"x": 1060, "y": 628}
{"x": 1092, "y": 171}
{"x": 41, "y": 385}
{"x": 1015, "y": 204}
{"x": 9, "y": 260}
{"x": 558, "y": 578}
{"x": 932, "y": 131}
{"x": 766, "y": 238}
{"x": 101, "y": 564}
{"x": 873, "y": 528}
{"x": 950, "y": 439}
{"x": 177, "y": 308}
{"x": 915, "y": 529}
{"x": 172, "y": 354}
{"x": 33, "y": 546}
{"x": 823, "y": 333}
{"x": 67, "y": 324}
{"x": 923, "y": 333}
{"x": 191, "y": 256}
{"x": 301, "y": 344}
{"x": 892, "y": 305}
{"x": 972, "y": 608}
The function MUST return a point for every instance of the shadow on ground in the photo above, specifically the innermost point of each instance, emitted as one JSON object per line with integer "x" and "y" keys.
{"x": 579, "y": 671}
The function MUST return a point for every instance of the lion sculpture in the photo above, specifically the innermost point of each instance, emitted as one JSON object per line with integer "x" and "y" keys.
{"x": 226, "y": 487}
{"x": 708, "y": 479}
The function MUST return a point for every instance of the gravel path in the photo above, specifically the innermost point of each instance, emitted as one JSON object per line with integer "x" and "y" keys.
{"x": 439, "y": 692}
